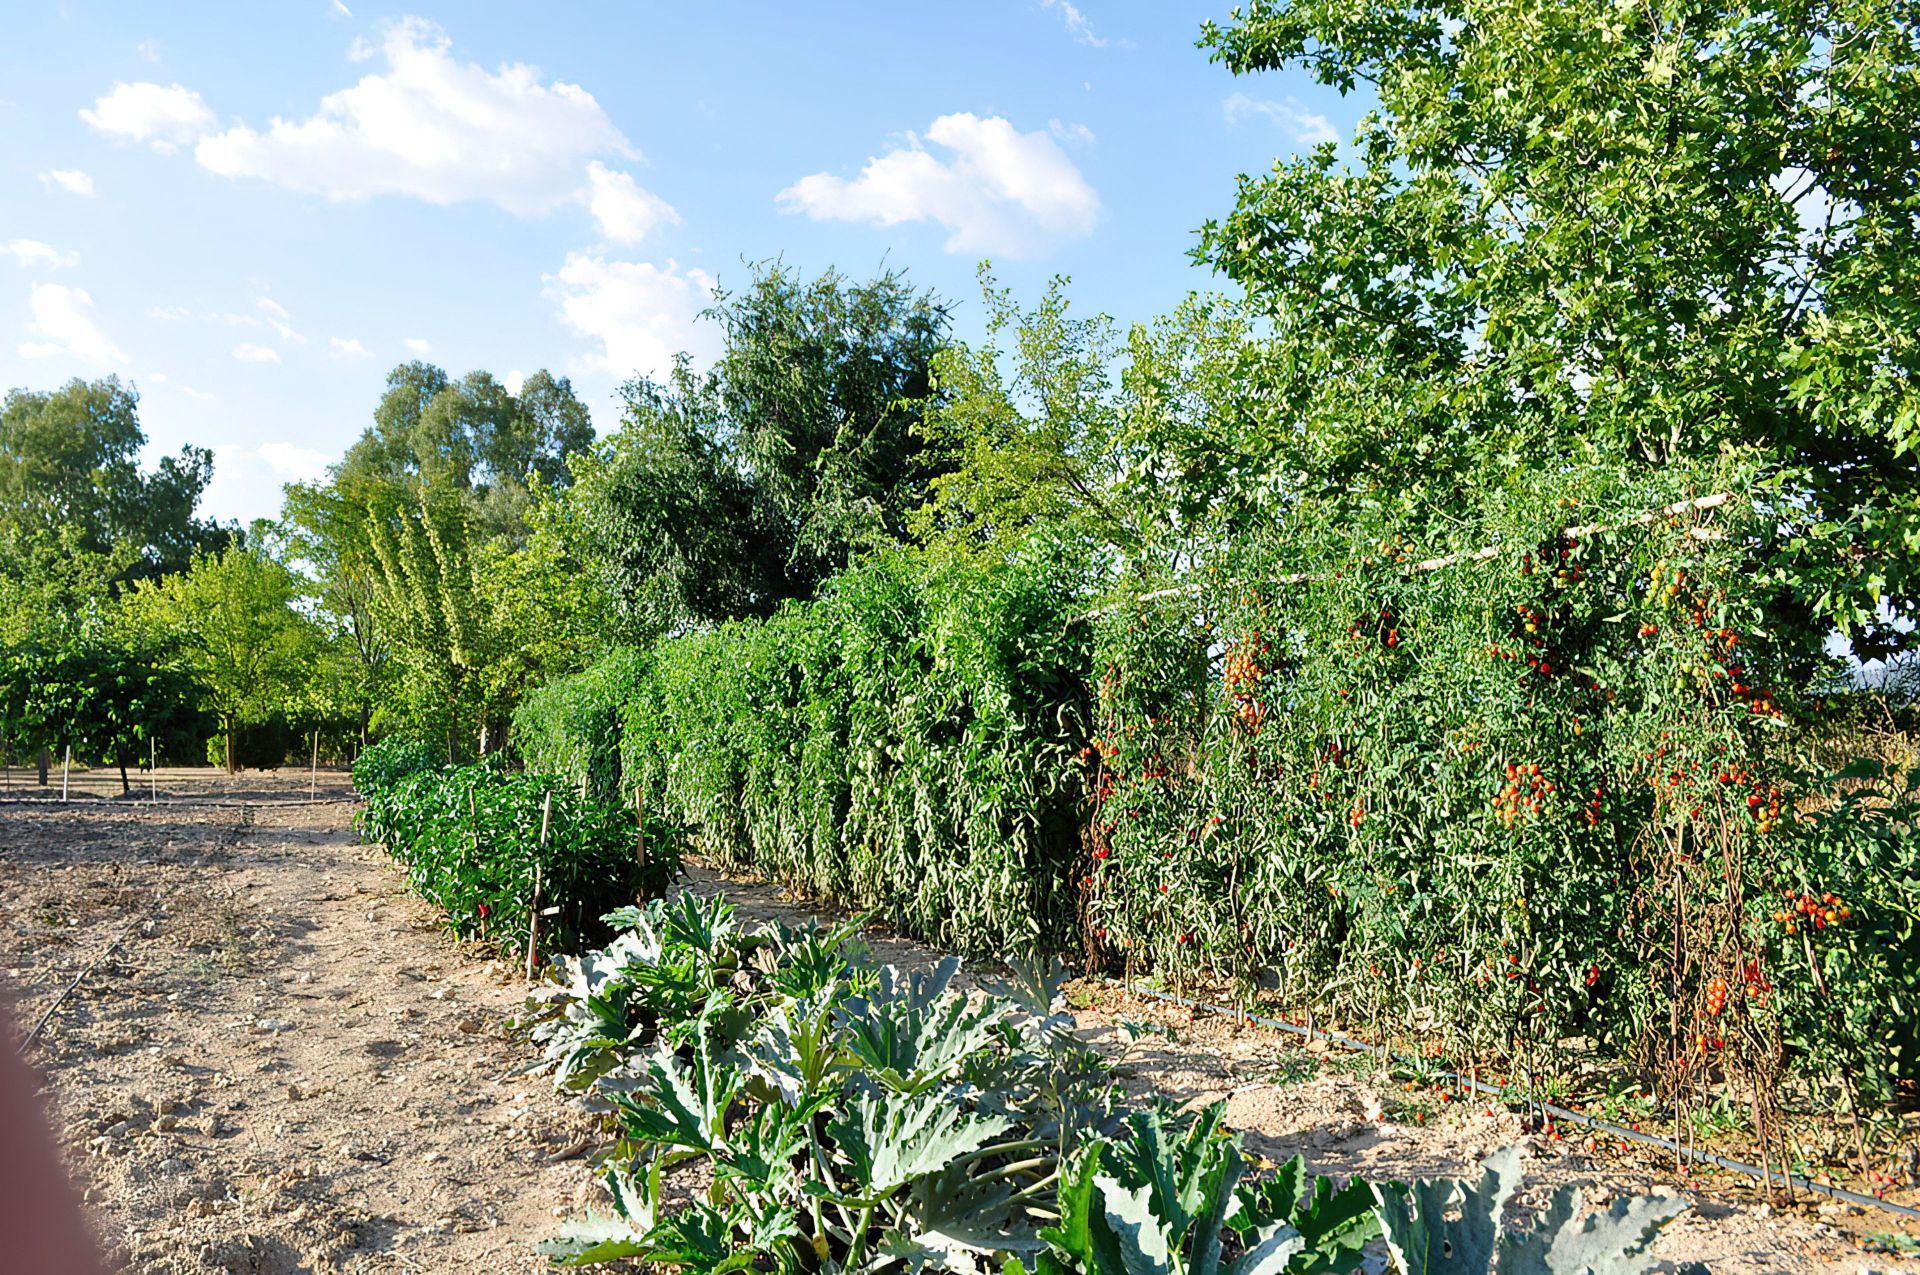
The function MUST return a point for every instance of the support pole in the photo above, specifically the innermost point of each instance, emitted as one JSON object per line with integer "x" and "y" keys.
{"x": 640, "y": 823}
{"x": 313, "y": 774}
{"x": 153, "y": 771}
{"x": 66, "y": 764}
{"x": 533, "y": 909}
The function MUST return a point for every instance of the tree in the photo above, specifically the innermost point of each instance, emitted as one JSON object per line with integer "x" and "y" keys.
{"x": 473, "y": 436}
{"x": 669, "y": 517}
{"x": 728, "y": 492}
{"x": 427, "y": 598}
{"x": 1054, "y": 420}
{"x": 232, "y": 625}
{"x": 69, "y": 468}
{"x": 821, "y": 386}
{"x": 106, "y": 697}
{"x": 1574, "y": 235}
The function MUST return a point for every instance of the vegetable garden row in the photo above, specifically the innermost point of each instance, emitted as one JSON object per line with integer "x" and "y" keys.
{"x": 775, "y": 1100}
{"x": 1537, "y": 812}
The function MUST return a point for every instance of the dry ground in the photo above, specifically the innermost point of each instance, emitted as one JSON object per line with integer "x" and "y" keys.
{"x": 283, "y": 1065}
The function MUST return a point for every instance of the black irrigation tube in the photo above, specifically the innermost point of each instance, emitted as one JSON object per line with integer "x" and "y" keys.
{"x": 1559, "y": 1113}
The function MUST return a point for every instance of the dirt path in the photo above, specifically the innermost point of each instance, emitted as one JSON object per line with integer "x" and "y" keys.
{"x": 283, "y": 1066}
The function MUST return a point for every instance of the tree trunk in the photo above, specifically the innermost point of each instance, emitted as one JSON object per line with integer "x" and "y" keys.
{"x": 227, "y": 723}
{"x": 44, "y": 760}
{"x": 125, "y": 787}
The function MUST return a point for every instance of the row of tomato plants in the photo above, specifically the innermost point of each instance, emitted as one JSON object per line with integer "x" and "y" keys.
{"x": 1560, "y": 797}
{"x": 1553, "y": 799}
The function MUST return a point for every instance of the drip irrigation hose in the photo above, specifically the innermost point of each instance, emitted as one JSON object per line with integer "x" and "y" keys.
{"x": 1559, "y": 1113}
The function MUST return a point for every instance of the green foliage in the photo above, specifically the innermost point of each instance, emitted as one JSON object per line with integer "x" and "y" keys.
{"x": 843, "y": 1116}
{"x": 845, "y": 1113}
{"x": 231, "y": 624}
{"x": 1456, "y": 1228}
{"x": 1034, "y": 429}
{"x": 1637, "y": 234}
{"x": 570, "y": 726}
{"x": 729, "y": 491}
{"x": 383, "y": 765}
{"x": 469, "y": 838}
{"x": 109, "y": 699}
{"x": 903, "y": 743}
{"x": 69, "y": 473}
{"x": 1555, "y": 791}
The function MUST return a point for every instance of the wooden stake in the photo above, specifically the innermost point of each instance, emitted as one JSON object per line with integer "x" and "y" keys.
{"x": 640, "y": 823}
{"x": 66, "y": 763}
{"x": 153, "y": 771}
{"x": 533, "y": 909}
{"x": 313, "y": 774}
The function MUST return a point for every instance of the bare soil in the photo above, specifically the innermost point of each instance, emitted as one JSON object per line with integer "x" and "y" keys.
{"x": 283, "y": 1065}
{"x": 274, "y": 1061}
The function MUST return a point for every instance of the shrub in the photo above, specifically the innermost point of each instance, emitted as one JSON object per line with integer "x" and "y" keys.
{"x": 469, "y": 839}
{"x": 570, "y": 727}
{"x": 392, "y": 759}
{"x": 904, "y": 743}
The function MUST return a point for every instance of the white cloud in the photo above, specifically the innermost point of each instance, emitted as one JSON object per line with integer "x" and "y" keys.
{"x": 513, "y": 380}
{"x": 169, "y": 313}
{"x": 167, "y": 116}
{"x": 149, "y": 50}
{"x": 624, "y": 211}
{"x": 71, "y": 180}
{"x": 31, "y": 252}
{"x": 161, "y": 378}
{"x": 339, "y": 10}
{"x": 295, "y": 464}
{"x": 1307, "y": 128}
{"x": 1001, "y": 191}
{"x": 279, "y": 320}
{"x": 60, "y": 317}
{"x": 247, "y": 480}
{"x": 1075, "y": 133}
{"x": 418, "y": 344}
{"x": 1076, "y": 22}
{"x": 640, "y": 314}
{"x": 434, "y": 128}
{"x": 248, "y": 352}
{"x": 347, "y": 347}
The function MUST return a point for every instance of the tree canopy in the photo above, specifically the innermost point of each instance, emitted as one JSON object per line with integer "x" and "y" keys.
{"x": 1630, "y": 234}
{"x": 70, "y": 475}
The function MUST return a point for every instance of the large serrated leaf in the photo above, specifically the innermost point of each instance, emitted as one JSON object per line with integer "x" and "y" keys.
{"x": 1421, "y": 1236}
{"x": 891, "y": 1139}
{"x": 1611, "y": 1243}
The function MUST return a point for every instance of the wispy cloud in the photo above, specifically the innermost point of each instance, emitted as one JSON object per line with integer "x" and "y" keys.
{"x": 70, "y": 180}
{"x": 1307, "y": 128}
{"x": 62, "y": 321}
{"x": 31, "y": 253}
{"x": 1076, "y": 22}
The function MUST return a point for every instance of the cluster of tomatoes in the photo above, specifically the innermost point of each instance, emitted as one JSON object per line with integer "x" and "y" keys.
{"x": 1805, "y": 909}
{"x": 1525, "y": 790}
{"x": 1245, "y": 668}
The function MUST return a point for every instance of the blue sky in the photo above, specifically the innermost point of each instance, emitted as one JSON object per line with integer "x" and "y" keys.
{"x": 253, "y": 211}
